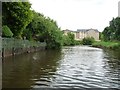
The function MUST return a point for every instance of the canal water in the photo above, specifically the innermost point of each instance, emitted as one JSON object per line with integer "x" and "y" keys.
{"x": 72, "y": 67}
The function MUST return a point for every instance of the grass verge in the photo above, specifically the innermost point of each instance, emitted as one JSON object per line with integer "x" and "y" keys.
{"x": 110, "y": 45}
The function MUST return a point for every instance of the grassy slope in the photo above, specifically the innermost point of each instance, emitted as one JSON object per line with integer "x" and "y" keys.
{"x": 111, "y": 45}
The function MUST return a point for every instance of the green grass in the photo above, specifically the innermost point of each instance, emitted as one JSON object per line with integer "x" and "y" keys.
{"x": 111, "y": 45}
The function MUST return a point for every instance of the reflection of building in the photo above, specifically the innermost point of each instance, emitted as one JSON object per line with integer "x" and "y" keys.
{"x": 119, "y": 9}
{"x": 83, "y": 33}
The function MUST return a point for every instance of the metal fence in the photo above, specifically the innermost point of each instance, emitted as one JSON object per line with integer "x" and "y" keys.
{"x": 8, "y": 43}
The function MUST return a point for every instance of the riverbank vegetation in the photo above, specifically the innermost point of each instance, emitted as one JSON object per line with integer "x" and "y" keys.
{"x": 110, "y": 37}
{"x": 112, "y": 32}
{"x": 88, "y": 41}
{"x": 110, "y": 45}
{"x": 69, "y": 40}
{"x": 21, "y": 22}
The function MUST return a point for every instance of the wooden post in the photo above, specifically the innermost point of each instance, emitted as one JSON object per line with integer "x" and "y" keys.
{"x": 2, "y": 52}
{"x": 13, "y": 51}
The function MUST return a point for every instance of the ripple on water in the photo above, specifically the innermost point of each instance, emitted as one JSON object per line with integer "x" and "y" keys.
{"x": 42, "y": 82}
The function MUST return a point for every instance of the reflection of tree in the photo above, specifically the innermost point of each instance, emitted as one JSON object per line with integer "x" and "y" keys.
{"x": 113, "y": 62}
{"x": 114, "y": 57}
{"x": 22, "y": 71}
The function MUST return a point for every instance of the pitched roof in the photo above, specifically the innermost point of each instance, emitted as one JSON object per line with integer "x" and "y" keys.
{"x": 85, "y": 30}
{"x": 82, "y": 30}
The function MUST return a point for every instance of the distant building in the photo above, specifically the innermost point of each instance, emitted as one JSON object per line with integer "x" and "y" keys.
{"x": 83, "y": 33}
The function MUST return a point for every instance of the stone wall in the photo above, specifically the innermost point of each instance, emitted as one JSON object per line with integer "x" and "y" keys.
{"x": 17, "y": 51}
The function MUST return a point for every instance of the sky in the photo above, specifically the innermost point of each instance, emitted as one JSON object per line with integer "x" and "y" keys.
{"x": 78, "y": 14}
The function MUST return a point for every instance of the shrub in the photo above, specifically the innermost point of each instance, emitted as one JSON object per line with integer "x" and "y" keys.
{"x": 69, "y": 40}
{"x": 88, "y": 41}
{"x": 78, "y": 42}
{"x": 6, "y": 32}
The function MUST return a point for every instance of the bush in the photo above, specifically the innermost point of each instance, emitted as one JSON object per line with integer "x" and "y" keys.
{"x": 6, "y": 32}
{"x": 88, "y": 41}
{"x": 69, "y": 39}
{"x": 78, "y": 42}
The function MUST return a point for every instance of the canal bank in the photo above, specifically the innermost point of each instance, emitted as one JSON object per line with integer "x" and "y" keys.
{"x": 107, "y": 45}
{"x": 11, "y": 46}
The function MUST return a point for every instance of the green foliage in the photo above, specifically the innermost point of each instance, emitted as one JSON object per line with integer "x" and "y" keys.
{"x": 88, "y": 41}
{"x": 6, "y": 32}
{"x": 52, "y": 34}
{"x": 112, "y": 32}
{"x": 66, "y": 40}
{"x": 69, "y": 39}
{"x": 72, "y": 38}
{"x": 111, "y": 45}
{"x": 77, "y": 42}
{"x": 31, "y": 25}
{"x": 35, "y": 27}
{"x": 101, "y": 36}
{"x": 16, "y": 15}
{"x": 44, "y": 29}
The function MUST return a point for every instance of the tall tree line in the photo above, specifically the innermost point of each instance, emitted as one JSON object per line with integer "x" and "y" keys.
{"x": 112, "y": 32}
{"x": 24, "y": 23}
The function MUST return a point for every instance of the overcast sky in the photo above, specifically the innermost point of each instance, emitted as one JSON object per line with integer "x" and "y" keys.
{"x": 78, "y": 14}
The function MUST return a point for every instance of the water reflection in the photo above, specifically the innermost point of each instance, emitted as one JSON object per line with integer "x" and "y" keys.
{"x": 112, "y": 65}
{"x": 73, "y": 67}
{"x": 25, "y": 71}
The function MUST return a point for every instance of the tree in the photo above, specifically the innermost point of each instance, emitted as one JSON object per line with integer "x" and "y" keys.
{"x": 106, "y": 34}
{"x": 44, "y": 29}
{"x": 35, "y": 28}
{"x": 69, "y": 39}
{"x": 112, "y": 32}
{"x": 16, "y": 15}
{"x": 117, "y": 28}
{"x": 53, "y": 34}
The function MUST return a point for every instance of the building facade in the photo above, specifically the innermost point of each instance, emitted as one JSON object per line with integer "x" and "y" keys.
{"x": 84, "y": 33}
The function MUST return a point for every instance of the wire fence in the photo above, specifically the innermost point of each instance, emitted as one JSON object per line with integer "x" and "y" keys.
{"x": 8, "y": 43}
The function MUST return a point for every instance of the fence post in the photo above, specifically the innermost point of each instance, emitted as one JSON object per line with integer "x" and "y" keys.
{"x": 13, "y": 51}
{"x": 2, "y": 52}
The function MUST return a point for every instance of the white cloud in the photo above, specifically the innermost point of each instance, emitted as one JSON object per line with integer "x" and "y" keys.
{"x": 74, "y": 14}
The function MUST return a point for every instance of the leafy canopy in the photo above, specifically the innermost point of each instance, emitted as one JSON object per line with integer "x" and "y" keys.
{"x": 16, "y": 15}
